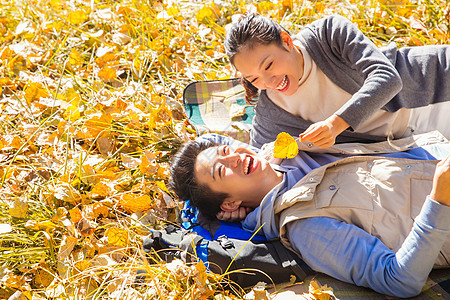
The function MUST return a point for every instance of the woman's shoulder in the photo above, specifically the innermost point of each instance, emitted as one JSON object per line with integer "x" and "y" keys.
{"x": 327, "y": 30}
{"x": 331, "y": 21}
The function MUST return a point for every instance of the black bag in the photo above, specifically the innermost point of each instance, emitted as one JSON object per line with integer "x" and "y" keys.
{"x": 267, "y": 261}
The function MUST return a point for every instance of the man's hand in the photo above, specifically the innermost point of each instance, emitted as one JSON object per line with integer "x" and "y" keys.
{"x": 323, "y": 134}
{"x": 441, "y": 182}
{"x": 234, "y": 216}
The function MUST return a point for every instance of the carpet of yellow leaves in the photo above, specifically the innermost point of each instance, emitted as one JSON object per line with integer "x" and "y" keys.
{"x": 90, "y": 115}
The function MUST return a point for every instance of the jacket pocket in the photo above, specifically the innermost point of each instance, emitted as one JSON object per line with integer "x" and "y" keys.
{"x": 420, "y": 189}
{"x": 343, "y": 192}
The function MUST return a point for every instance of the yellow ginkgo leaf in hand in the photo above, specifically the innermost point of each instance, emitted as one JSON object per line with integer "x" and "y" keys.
{"x": 285, "y": 146}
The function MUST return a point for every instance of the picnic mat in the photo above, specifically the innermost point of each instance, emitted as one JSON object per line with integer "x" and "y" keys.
{"x": 210, "y": 107}
{"x": 218, "y": 107}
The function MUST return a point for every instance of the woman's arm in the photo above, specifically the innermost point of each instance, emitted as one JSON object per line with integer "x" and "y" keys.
{"x": 355, "y": 64}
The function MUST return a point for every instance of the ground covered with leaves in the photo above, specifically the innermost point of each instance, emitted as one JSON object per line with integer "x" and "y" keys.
{"x": 91, "y": 113}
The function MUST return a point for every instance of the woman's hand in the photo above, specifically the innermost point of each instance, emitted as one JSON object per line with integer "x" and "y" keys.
{"x": 234, "y": 216}
{"x": 323, "y": 134}
{"x": 441, "y": 182}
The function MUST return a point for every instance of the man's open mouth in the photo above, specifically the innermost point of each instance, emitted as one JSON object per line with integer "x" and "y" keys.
{"x": 249, "y": 165}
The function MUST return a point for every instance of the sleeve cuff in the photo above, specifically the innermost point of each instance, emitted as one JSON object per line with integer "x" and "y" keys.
{"x": 434, "y": 215}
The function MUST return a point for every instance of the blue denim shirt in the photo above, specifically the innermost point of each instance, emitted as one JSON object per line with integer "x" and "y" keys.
{"x": 350, "y": 254}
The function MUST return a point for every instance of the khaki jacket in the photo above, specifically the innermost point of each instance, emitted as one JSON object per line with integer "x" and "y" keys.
{"x": 380, "y": 195}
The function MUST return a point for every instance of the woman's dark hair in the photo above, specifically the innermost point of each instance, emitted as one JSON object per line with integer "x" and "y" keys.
{"x": 183, "y": 180}
{"x": 250, "y": 30}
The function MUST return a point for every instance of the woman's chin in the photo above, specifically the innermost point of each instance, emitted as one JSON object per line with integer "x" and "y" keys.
{"x": 288, "y": 92}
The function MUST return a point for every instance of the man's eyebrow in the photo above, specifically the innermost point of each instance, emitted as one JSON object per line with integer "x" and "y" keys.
{"x": 260, "y": 65}
{"x": 214, "y": 165}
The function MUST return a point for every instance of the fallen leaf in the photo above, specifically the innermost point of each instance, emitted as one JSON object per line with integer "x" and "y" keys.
{"x": 320, "y": 292}
{"x": 18, "y": 295}
{"x": 67, "y": 245}
{"x": 82, "y": 265}
{"x": 100, "y": 190}
{"x": 130, "y": 162}
{"x": 133, "y": 202}
{"x": 65, "y": 192}
{"x": 42, "y": 225}
{"x": 107, "y": 74}
{"x": 18, "y": 208}
{"x": 106, "y": 144}
{"x": 43, "y": 278}
{"x": 76, "y": 17}
{"x": 75, "y": 214}
{"x": 34, "y": 91}
{"x": 117, "y": 236}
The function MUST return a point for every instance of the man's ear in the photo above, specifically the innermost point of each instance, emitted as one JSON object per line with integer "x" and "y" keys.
{"x": 286, "y": 40}
{"x": 230, "y": 205}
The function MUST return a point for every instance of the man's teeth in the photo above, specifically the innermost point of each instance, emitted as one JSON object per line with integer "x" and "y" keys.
{"x": 248, "y": 164}
{"x": 283, "y": 84}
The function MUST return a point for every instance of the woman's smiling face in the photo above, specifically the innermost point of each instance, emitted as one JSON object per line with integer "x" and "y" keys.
{"x": 271, "y": 67}
{"x": 239, "y": 173}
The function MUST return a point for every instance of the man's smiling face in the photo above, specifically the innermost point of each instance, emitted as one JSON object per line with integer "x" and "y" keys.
{"x": 240, "y": 173}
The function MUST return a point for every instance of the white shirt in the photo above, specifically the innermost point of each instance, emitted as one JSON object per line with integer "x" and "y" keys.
{"x": 317, "y": 98}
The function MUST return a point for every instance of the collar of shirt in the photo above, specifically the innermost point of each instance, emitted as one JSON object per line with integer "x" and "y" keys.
{"x": 263, "y": 217}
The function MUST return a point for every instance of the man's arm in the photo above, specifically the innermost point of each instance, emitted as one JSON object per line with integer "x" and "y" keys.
{"x": 350, "y": 254}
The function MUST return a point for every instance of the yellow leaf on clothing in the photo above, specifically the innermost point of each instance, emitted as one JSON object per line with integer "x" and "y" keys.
{"x": 117, "y": 236}
{"x": 285, "y": 146}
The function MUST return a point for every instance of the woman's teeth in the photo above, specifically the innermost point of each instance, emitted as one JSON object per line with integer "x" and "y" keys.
{"x": 283, "y": 84}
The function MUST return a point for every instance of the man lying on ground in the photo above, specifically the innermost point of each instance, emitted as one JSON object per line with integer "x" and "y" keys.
{"x": 367, "y": 214}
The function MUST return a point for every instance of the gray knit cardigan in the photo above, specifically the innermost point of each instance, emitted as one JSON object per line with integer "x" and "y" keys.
{"x": 377, "y": 78}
